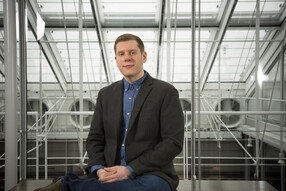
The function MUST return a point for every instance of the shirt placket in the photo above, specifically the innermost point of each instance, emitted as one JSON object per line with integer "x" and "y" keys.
{"x": 130, "y": 96}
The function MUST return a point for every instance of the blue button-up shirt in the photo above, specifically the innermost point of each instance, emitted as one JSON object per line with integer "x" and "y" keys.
{"x": 129, "y": 95}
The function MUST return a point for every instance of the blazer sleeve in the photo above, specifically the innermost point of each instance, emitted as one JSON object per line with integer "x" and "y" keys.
{"x": 171, "y": 122}
{"x": 95, "y": 140}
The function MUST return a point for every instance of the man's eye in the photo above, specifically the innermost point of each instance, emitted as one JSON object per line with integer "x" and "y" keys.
{"x": 132, "y": 52}
{"x": 120, "y": 54}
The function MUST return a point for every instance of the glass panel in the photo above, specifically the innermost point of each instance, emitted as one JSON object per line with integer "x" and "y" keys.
{"x": 36, "y": 58}
{"x": 128, "y": 7}
{"x": 271, "y": 12}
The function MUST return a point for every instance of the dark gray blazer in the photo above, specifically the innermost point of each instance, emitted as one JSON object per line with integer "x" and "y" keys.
{"x": 155, "y": 131}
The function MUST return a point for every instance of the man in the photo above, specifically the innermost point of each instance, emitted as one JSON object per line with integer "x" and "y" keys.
{"x": 136, "y": 132}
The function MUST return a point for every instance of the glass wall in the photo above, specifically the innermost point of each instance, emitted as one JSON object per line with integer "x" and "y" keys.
{"x": 239, "y": 103}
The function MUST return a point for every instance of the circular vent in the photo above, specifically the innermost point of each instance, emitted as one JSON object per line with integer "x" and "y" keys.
{"x": 229, "y": 120}
{"x": 87, "y": 106}
{"x": 34, "y": 106}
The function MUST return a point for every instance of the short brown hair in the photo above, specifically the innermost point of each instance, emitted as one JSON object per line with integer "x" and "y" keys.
{"x": 126, "y": 37}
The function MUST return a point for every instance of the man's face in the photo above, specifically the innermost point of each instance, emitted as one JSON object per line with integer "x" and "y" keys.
{"x": 130, "y": 60}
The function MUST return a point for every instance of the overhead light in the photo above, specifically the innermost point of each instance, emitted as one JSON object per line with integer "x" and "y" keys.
{"x": 40, "y": 26}
{"x": 260, "y": 76}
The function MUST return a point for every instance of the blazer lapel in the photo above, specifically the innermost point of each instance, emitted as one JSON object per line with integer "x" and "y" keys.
{"x": 143, "y": 93}
{"x": 117, "y": 104}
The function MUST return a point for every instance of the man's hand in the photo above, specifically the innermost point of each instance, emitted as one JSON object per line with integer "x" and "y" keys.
{"x": 112, "y": 174}
{"x": 103, "y": 173}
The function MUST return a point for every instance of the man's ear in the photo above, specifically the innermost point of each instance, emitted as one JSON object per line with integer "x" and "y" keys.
{"x": 144, "y": 56}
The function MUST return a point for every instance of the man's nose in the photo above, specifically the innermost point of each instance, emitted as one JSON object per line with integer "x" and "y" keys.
{"x": 127, "y": 57}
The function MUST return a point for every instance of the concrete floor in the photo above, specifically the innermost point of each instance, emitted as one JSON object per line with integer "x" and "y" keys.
{"x": 185, "y": 185}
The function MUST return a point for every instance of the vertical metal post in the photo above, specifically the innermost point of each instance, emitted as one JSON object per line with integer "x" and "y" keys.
{"x": 23, "y": 81}
{"x": 11, "y": 122}
{"x": 37, "y": 147}
{"x": 185, "y": 151}
{"x": 199, "y": 93}
{"x": 80, "y": 80}
{"x": 219, "y": 108}
{"x": 257, "y": 87}
{"x": 39, "y": 124}
{"x": 282, "y": 117}
{"x": 100, "y": 71}
{"x": 193, "y": 89}
{"x": 168, "y": 41}
{"x": 41, "y": 90}
{"x": 247, "y": 145}
{"x": 219, "y": 88}
{"x": 46, "y": 147}
{"x": 174, "y": 41}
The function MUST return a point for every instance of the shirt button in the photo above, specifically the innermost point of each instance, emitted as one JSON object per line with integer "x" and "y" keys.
{"x": 137, "y": 89}
{"x": 126, "y": 129}
{"x": 126, "y": 90}
{"x": 129, "y": 97}
{"x": 122, "y": 145}
{"x": 128, "y": 113}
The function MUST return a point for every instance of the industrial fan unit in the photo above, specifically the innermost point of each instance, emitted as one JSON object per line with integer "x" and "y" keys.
{"x": 88, "y": 105}
{"x": 229, "y": 120}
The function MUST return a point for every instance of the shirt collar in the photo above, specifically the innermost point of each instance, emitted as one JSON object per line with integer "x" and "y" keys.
{"x": 135, "y": 84}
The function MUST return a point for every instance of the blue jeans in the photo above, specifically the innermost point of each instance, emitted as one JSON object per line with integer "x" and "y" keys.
{"x": 71, "y": 182}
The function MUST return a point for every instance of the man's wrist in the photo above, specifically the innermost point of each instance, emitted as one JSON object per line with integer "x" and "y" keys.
{"x": 94, "y": 168}
{"x": 133, "y": 174}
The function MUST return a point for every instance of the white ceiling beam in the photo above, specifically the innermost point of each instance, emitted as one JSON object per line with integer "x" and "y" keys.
{"x": 158, "y": 12}
{"x": 224, "y": 15}
{"x": 160, "y": 39}
{"x": 283, "y": 14}
{"x": 49, "y": 49}
{"x": 97, "y": 21}
{"x": 100, "y": 12}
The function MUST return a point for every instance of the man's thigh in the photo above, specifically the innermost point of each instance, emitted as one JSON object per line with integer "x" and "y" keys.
{"x": 71, "y": 182}
{"x": 140, "y": 183}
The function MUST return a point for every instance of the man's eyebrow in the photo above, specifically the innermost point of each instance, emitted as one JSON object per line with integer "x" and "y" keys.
{"x": 119, "y": 51}
{"x": 132, "y": 50}
{"x": 127, "y": 50}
